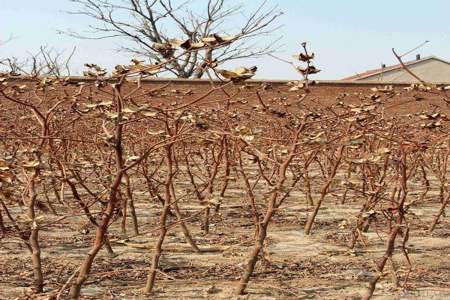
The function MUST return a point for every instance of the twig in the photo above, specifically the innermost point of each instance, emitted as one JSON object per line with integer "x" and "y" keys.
{"x": 58, "y": 296}
{"x": 407, "y": 69}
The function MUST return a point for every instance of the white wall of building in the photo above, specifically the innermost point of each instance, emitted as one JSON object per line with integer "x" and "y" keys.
{"x": 431, "y": 70}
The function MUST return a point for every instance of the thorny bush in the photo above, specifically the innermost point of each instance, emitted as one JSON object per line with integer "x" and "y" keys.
{"x": 86, "y": 149}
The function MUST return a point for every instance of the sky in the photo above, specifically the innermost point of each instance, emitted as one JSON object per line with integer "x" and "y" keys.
{"x": 347, "y": 36}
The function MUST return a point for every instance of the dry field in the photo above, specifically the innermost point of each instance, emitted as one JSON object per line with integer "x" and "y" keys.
{"x": 213, "y": 173}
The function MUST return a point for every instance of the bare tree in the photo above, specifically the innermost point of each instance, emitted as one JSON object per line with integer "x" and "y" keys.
{"x": 46, "y": 61}
{"x": 157, "y": 28}
{"x": 8, "y": 63}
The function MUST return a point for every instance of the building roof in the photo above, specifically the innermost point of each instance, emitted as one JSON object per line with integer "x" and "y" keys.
{"x": 370, "y": 73}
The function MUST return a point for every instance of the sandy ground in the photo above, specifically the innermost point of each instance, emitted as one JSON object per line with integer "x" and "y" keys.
{"x": 295, "y": 266}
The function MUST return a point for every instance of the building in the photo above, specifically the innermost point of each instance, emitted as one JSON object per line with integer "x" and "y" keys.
{"x": 430, "y": 69}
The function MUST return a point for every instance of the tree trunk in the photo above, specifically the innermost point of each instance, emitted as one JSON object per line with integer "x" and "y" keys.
{"x": 262, "y": 233}
{"x": 123, "y": 222}
{"x": 2, "y": 224}
{"x": 100, "y": 234}
{"x": 324, "y": 192}
{"x": 440, "y": 213}
{"x": 204, "y": 65}
{"x": 206, "y": 220}
{"x": 131, "y": 204}
{"x": 36, "y": 260}
{"x": 184, "y": 228}
{"x": 151, "y": 278}
{"x": 34, "y": 237}
{"x": 312, "y": 217}
{"x": 382, "y": 262}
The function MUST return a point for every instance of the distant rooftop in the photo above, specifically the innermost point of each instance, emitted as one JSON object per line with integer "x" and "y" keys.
{"x": 390, "y": 69}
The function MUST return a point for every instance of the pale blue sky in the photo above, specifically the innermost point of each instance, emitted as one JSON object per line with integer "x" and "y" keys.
{"x": 348, "y": 36}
